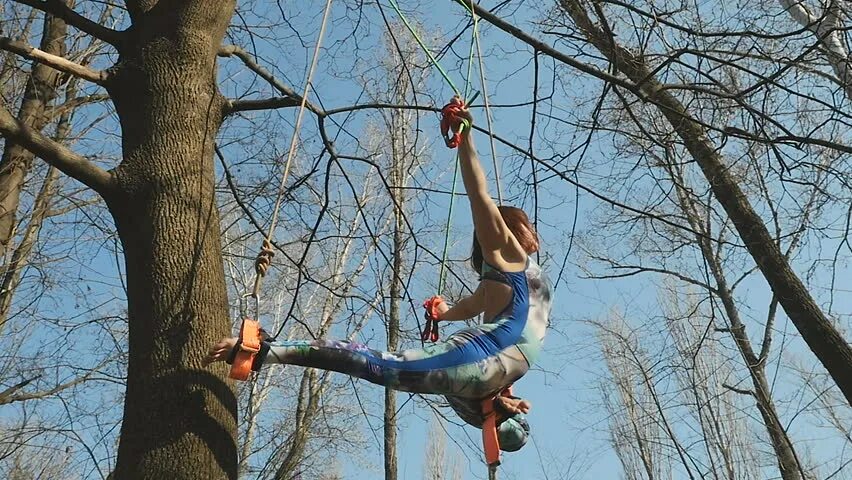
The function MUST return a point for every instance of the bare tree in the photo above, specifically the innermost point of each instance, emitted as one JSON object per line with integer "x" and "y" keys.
{"x": 397, "y": 141}
{"x": 817, "y": 330}
{"x": 827, "y": 27}
{"x": 653, "y": 393}
{"x": 728, "y": 93}
{"x": 438, "y": 464}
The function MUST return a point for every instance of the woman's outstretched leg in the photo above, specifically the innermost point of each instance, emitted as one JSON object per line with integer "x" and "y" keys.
{"x": 460, "y": 366}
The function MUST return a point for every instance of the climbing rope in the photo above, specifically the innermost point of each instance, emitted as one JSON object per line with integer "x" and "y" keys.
{"x": 248, "y": 343}
{"x": 424, "y": 47}
{"x": 450, "y": 122}
{"x": 488, "y": 117}
{"x": 294, "y": 141}
{"x": 442, "y": 274}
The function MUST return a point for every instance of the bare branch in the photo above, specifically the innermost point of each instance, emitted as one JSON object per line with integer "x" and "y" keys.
{"x": 77, "y": 102}
{"x": 741, "y": 391}
{"x": 61, "y": 10}
{"x": 289, "y": 93}
{"x": 538, "y": 45}
{"x": 787, "y": 139}
{"x": 55, "y": 154}
{"x": 829, "y": 34}
{"x": 9, "y": 396}
{"x": 53, "y": 61}
{"x": 234, "y": 106}
{"x": 14, "y": 388}
{"x": 638, "y": 269}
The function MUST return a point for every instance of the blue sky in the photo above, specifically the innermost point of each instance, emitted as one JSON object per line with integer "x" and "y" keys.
{"x": 568, "y": 422}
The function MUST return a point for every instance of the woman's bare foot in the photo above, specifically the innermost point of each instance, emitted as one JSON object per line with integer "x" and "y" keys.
{"x": 219, "y": 351}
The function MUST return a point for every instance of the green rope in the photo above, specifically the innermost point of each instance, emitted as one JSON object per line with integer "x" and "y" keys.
{"x": 395, "y": 5}
{"x": 443, "y": 272}
{"x": 424, "y": 47}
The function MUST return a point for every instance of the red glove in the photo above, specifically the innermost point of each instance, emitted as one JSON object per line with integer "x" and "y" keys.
{"x": 430, "y": 333}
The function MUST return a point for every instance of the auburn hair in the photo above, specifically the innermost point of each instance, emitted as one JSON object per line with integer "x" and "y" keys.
{"x": 520, "y": 226}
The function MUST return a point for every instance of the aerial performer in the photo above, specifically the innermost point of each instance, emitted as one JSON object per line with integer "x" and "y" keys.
{"x": 476, "y": 366}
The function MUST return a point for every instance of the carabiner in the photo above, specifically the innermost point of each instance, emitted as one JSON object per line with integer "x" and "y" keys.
{"x": 244, "y": 306}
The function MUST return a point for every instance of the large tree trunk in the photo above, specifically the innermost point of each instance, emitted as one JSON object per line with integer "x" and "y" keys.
{"x": 816, "y": 329}
{"x": 16, "y": 160}
{"x": 179, "y": 418}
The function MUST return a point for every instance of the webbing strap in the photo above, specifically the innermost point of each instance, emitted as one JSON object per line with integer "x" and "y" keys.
{"x": 490, "y": 442}
{"x": 248, "y": 346}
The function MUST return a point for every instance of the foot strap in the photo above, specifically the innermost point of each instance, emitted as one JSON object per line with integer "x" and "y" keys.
{"x": 247, "y": 347}
{"x": 489, "y": 433}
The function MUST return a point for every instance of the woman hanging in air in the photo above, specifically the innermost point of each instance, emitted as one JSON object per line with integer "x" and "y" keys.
{"x": 474, "y": 363}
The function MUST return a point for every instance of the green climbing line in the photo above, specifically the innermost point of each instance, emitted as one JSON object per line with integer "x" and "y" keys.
{"x": 443, "y": 271}
{"x": 424, "y": 47}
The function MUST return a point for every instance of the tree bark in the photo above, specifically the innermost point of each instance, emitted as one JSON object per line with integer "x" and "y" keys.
{"x": 816, "y": 329}
{"x": 16, "y": 160}
{"x": 399, "y": 154}
{"x": 179, "y": 418}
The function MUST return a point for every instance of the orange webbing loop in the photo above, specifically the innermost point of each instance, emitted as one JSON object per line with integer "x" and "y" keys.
{"x": 249, "y": 345}
{"x": 431, "y": 332}
{"x": 451, "y": 122}
{"x": 489, "y": 433}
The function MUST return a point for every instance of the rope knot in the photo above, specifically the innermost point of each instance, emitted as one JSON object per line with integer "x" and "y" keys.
{"x": 264, "y": 258}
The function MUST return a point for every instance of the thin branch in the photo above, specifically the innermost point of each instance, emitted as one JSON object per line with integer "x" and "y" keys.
{"x": 538, "y": 45}
{"x": 741, "y": 391}
{"x": 53, "y": 61}
{"x": 77, "y": 102}
{"x": 14, "y": 388}
{"x": 70, "y": 163}
{"x": 788, "y": 140}
{"x": 63, "y": 11}
{"x": 10, "y": 397}
{"x": 637, "y": 269}
{"x": 233, "y": 50}
{"x": 767, "y": 331}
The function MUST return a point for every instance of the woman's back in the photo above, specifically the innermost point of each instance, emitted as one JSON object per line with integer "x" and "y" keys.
{"x": 538, "y": 316}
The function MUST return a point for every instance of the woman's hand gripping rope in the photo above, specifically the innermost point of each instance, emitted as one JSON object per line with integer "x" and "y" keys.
{"x": 456, "y": 118}
{"x": 435, "y": 307}
{"x": 264, "y": 258}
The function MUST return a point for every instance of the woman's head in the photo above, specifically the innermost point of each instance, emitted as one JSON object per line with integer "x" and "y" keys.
{"x": 520, "y": 226}
{"x": 513, "y": 433}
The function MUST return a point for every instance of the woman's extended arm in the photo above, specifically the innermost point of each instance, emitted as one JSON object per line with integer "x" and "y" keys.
{"x": 465, "y": 308}
{"x": 494, "y": 236}
{"x": 491, "y": 231}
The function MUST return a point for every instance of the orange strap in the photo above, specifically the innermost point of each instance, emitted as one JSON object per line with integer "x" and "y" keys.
{"x": 490, "y": 441}
{"x": 489, "y": 433}
{"x": 249, "y": 345}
